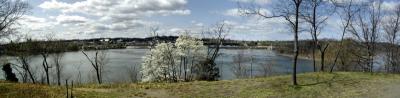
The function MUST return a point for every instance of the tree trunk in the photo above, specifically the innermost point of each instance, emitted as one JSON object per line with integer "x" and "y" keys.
{"x": 98, "y": 76}
{"x": 185, "y": 67}
{"x": 313, "y": 56}
{"x": 322, "y": 61}
{"x": 31, "y": 76}
{"x": 296, "y": 47}
{"x": 26, "y": 68}
{"x": 46, "y": 68}
{"x": 58, "y": 74}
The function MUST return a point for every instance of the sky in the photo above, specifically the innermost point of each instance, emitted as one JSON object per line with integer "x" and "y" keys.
{"x": 82, "y": 19}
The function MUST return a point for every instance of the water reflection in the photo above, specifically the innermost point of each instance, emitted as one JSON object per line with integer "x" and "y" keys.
{"x": 123, "y": 61}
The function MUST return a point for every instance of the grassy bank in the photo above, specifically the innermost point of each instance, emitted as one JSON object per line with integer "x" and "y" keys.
{"x": 322, "y": 85}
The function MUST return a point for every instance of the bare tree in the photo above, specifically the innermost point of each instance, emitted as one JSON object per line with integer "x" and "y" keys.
{"x": 267, "y": 67}
{"x": 46, "y": 66}
{"x": 57, "y": 58}
{"x": 47, "y": 47}
{"x": 208, "y": 69}
{"x": 391, "y": 26}
{"x": 24, "y": 60}
{"x": 315, "y": 13}
{"x": 133, "y": 73}
{"x": 24, "y": 56}
{"x": 239, "y": 67}
{"x": 366, "y": 28}
{"x": 217, "y": 35}
{"x": 98, "y": 63}
{"x": 291, "y": 12}
{"x": 346, "y": 12}
{"x": 10, "y": 12}
{"x": 154, "y": 33}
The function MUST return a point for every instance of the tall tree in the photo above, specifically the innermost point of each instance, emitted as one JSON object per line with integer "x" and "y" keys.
{"x": 46, "y": 66}
{"x": 291, "y": 12}
{"x": 346, "y": 12}
{"x": 208, "y": 69}
{"x": 391, "y": 27}
{"x": 191, "y": 51}
{"x": 366, "y": 29}
{"x": 315, "y": 13}
{"x": 57, "y": 56}
{"x": 24, "y": 51}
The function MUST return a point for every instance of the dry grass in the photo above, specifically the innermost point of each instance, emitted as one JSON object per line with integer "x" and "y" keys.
{"x": 312, "y": 85}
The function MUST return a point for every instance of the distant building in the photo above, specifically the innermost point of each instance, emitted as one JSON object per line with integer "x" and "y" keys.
{"x": 120, "y": 40}
{"x": 105, "y": 40}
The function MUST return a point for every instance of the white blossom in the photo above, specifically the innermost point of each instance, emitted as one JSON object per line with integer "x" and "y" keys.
{"x": 162, "y": 62}
{"x": 159, "y": 63}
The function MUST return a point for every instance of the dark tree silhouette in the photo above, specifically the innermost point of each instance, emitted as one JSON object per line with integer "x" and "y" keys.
{"x": 10, "y": 76}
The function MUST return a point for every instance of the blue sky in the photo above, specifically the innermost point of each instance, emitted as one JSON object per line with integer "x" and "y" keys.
{"x": 79, "y": 19}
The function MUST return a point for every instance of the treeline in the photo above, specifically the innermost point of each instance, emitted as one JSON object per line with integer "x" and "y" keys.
{"x": 347, "y": 59}
{"x": 33, "y": 47}
{"x": 286, "y": 47}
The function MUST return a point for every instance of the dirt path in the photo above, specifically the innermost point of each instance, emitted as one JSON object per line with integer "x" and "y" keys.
{"x": 158, "y": 93}
{"x": 391, "y": 90}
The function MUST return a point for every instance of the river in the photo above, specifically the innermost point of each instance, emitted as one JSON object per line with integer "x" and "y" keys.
{"x": 122, "y": 61}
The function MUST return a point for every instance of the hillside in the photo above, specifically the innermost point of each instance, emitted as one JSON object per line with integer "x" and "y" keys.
{"x": 322, "y": 85}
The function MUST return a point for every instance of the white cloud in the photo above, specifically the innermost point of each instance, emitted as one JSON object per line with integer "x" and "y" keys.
{"x": 129, "y": 7}
{"x": 113, "y": 17}
{"x": 390, "y": 5}
{"x": 33, "y": 19}
{"x": 232, "y": 12}
{"x": 239, "y": 12}
{"x": 176, "y": 30}
{"x": 199, "y": 24}
{"x": 66, "y": 19}
{"x": 259, "y": 2}
{"x": 353, "y": 1}
{"x": 32, "y": 23}
{"x": 53, "y": 4}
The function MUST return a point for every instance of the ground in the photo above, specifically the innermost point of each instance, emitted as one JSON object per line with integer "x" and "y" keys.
{"x": 312, "y": 85}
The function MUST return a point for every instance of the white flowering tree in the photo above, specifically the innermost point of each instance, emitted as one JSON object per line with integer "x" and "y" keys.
{"x": 191, "y": 52}
{"x": 168, "y": 62}
{"x": 160, "y": 64}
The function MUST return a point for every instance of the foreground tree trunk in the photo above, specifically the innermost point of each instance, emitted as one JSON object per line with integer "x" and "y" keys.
{"x": 296, "y": 40}
{"x": 46, "y": 68}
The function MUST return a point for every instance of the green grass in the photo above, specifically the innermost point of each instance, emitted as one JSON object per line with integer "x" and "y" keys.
{"x": 312, "y": 85}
